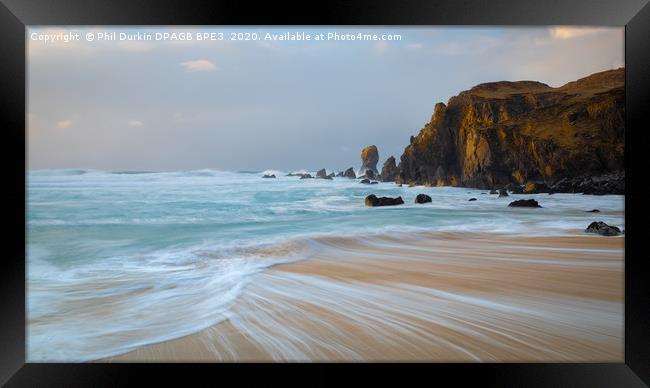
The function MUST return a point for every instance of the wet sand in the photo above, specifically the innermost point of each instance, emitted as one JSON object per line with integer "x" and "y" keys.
{"x": 448, "y": 297}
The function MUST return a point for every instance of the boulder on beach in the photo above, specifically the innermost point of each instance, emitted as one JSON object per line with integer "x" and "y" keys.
{"x": 268, "y": 176}
{"x": 603, "y": 229}
{"x": 503, "y": 193}
{"x": 472, "y": 199}
{"x": 524, "y": 203}
{"x": 366, "y": 181}
{"x": 372, "y": 200}
{"x": 422, "y": 198}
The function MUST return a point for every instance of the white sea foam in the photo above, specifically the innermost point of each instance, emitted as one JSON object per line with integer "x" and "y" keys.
{"x": 118, "y": 259}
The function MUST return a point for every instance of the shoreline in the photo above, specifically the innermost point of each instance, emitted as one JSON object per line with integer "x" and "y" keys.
{"x": 455, "y": 296}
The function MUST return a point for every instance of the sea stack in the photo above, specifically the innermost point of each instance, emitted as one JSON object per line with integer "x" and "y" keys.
{"x": 369, "y": 159}
{"x": 389, "y": 171}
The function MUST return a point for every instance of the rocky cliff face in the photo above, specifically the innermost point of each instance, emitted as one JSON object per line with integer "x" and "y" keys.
{"x": 521, "y": 132}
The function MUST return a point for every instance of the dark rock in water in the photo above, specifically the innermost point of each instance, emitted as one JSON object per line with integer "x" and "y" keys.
{"x": 349, "y": 173}
{"x": 507, "y": 132}
{"x": 400, "y": 185}
{"x": 373, "y": 200}
{"x": 321, "y": 173}
{"x": 603, "y": 229}
{"x": 306, "y": 176}
{"x": 483, "y": 193}
{"x": 331, "y": 175}
{"x": 593, "y": 211}
{"x": 503, "y": 193}
{"x": 514, "y": 188}
{"x": 374, "y": 183}
{"x": 366, "y": 181}
{"x": 369, "y": 159}
{"x": 368, "y": 174}
{"x": 536, "y": 187}
{"x": 524, "y": 203}
{"x": 422, "y": 198}
{"x": 611, "y": 183}
{"x": 472, "y": 199}
{"x": 494, "y": 192}
{"x": 326, "y": 177}
{"x": 268, "y": 176}
{"x": 389, "y": 171}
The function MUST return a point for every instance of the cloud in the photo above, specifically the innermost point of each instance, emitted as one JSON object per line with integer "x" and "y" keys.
{"x": 135, "y": 123}
{"x": 573, "y": 32}
{"x": 199, "y": 65}
{"x": 62, "y": 124}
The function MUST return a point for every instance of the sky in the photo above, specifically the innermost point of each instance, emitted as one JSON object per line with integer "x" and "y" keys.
{"x": 170, "y": 105}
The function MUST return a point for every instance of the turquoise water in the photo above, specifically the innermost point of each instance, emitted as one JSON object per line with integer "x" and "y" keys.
{"x": 116, "y": 260}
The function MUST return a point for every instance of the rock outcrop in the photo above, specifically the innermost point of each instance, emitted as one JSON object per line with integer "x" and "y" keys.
{"x": 565, "y": 139}
{"x": 390, "y": 171}
{"x": 422, "y": 198}
{"x": 367, "y": 174}
{"x": 321, "y": 173}
{"x": 369, "y": 159}
{"x": 603, "y": 229}
{"x": 524, "y": 203}
{"x": 349, "y": 173}
{"x": 373, "y": 200}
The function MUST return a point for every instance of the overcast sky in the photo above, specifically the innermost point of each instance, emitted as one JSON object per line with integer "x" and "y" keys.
{"x": 257, "y": 105}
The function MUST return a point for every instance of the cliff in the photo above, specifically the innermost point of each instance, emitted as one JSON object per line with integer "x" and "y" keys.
{"x": 502, "y": 133}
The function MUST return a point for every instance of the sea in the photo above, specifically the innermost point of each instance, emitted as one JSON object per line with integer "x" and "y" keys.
{"x": 121, "y": 259}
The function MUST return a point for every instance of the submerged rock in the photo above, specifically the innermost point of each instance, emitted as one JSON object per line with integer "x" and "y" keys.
{"x": 593, "y": 211}
{"x": 494, "y": 192}
{"x": 372, "y": 200}
{"x": 366, "y": 181}
{"x": 422, "y": 198}
{"x": 268, "y": 176}
{"x": 603, "y": 229}
{"x": 524, "y": 203}
{"x": 306, "y": 176}
{"x": 374, "y": 183}
{"x": 472, "y": 199}
{"x": 503, "y": 193}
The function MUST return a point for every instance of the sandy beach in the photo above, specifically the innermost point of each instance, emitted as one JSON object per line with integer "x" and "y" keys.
{"x": 441, "y": 297}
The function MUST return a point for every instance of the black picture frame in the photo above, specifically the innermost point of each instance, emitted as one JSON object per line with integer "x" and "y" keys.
{"x": 15, "y": 15}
